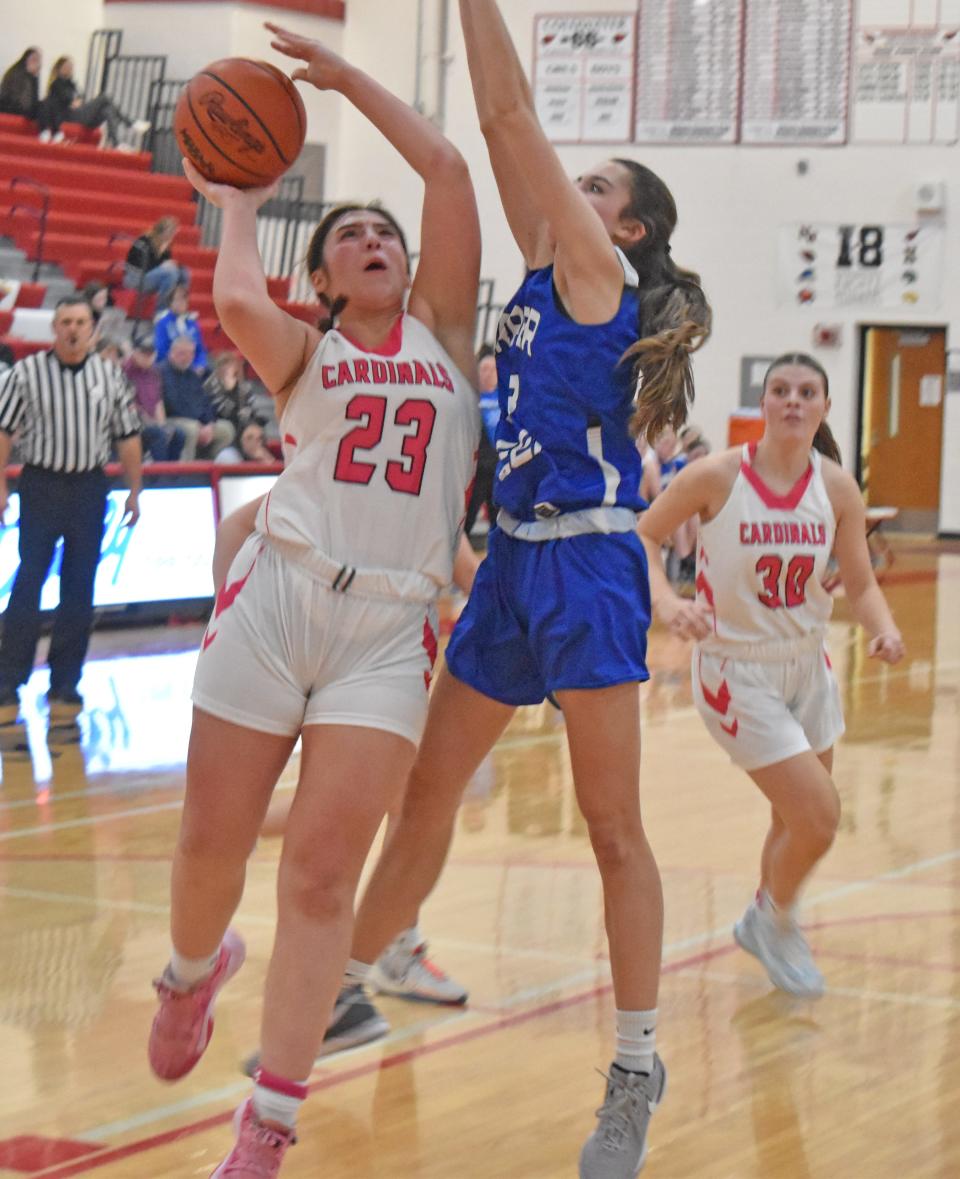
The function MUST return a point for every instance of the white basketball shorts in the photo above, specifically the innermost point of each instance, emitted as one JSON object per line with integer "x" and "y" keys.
{"x": 283, "y": 650}
{"x": 765, "y": 710}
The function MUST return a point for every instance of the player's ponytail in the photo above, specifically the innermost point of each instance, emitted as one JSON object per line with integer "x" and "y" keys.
{"x": 823, "y": 440}
{"x": 675, "y": 316}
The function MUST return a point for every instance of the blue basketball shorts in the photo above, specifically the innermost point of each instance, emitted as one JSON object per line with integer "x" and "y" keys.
{"x": 548, "y": 615}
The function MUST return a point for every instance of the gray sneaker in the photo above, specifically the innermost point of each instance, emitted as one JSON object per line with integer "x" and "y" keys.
{"x": 412, "y": 974}
{"x": 355, "y": 1021}
{"x": 782, "y": 949}
{"x": 617, "y": 1149}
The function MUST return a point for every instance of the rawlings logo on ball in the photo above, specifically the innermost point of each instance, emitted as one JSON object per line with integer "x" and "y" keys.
{"x": 195, "y": 152}
{"x": 236, "y": 128}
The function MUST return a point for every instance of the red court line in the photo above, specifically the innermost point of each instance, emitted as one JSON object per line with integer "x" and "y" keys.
{"x": 117, "y": 1154}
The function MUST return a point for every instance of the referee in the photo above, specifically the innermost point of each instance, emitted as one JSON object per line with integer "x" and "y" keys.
{"x": 69, "y": 405}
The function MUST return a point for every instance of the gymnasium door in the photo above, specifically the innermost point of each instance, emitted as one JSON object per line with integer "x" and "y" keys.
{"x": 901, "y": 421}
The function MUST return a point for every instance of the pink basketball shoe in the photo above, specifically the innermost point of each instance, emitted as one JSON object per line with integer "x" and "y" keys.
{"x": 184, "y": 1024}
{"x": 258, "y": 1151}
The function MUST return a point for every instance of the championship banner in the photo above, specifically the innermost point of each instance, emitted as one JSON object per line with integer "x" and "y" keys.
{"x": 892, "y": 266}
{"x": 583, "y": 76}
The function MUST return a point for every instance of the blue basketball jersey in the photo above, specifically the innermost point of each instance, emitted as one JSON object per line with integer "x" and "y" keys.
{"x": 566, "y": 398}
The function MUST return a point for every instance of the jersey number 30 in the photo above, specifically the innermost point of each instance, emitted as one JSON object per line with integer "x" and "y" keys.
{"x": 794, "y": 593}
{"x": 404, "y": 474}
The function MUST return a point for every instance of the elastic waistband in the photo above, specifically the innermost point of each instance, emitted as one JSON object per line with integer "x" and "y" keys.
{"x": 342, "y": 578}
{"x": 604, "y": 520}
{"x": 767, "y": 651}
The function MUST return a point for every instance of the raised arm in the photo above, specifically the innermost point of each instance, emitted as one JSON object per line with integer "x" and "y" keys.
{"x": 541, "y": 203}
{"x": 444, "y": 293}
{"x": 277, "y": 345}
{"x": 866, "y": 599}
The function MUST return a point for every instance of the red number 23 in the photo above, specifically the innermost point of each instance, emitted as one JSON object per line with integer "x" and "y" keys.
{"x": 404, "y": 474}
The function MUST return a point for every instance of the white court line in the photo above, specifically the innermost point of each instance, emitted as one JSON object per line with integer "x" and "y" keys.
{"x": 538, "y": 994}
{"x": 89, "y": 821}
{"x": 898, "y": 998}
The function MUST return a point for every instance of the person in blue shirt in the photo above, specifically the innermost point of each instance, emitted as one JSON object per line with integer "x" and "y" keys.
{"x": 179, "y": 320}
{"x": 593, "y": 349}
{"x": 188, "y": 405}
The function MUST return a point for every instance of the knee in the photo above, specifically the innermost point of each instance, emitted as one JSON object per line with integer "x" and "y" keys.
{"x": 320, "y": 892}
{"x": 617, "y": 840}
{"x": 821, "y": 821}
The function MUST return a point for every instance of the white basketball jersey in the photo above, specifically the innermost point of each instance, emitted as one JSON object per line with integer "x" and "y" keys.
{"x": 379, "y": 449}
{"x": 762, "y": 559}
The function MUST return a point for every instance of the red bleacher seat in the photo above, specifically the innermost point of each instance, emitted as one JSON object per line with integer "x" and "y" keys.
{"x": 127, "y": 301}
{"x": 6, "y": 322}
{"x": 96, "y": 177}
{"x": 19, "y": 125}
{"x": 22, "y": 348}
{"x": 27, "y": 148}
{"x": 31, "y": 294}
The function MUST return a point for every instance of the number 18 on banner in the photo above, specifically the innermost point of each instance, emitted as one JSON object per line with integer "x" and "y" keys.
{"x": 849, "y": 265}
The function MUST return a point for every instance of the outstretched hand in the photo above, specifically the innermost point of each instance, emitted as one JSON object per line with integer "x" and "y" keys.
{"x": 324, "y": 68}
{"x": 222, "y": 194}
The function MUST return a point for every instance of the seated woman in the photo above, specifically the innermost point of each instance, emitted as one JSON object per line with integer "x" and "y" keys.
{"x": 150, "y": 266}
{"x": 64, "y": 103}
{"x": 20, "y": 90}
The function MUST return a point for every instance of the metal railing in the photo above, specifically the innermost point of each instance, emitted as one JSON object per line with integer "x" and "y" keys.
{"x": 127, "y": 78}
{"x": 104, "y": 47}
{"x": 38, "y": 214}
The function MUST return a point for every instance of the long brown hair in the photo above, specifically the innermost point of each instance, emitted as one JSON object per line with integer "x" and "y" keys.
{"x": 314, "y": 259}
{"x": 55, "y": 72}
{"x": 823, "y": 440}
{"x": 675, "y": 316}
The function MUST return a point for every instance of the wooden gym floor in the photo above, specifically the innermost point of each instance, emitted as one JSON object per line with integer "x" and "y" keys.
{"x": 864, "y": 1084}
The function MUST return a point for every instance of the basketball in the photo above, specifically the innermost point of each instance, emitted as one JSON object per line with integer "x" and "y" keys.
{"x": 240, "y": 122}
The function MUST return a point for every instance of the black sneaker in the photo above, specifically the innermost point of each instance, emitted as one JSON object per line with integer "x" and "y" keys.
{"x": 355, "y": 1021}
{"x": 9, "y": 705}
{"x": 65, "y": 705}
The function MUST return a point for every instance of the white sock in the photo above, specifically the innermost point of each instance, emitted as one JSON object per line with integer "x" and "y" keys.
{"x": 187, "y": 972}
{"x": 636, "y": 1040}
{"x": 276, "y": 1099}
{"x": 356, "y": 973}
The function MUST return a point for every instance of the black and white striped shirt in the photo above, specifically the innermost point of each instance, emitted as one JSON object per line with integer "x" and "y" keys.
{"x": 68, "y": 415}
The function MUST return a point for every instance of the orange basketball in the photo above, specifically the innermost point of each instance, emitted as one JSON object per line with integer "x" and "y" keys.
{"x": 240, "y": 122}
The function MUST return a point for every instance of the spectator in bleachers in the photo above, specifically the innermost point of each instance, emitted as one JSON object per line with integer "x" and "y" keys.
{"x": 150, "y": 266}
{"x": 179, "y": 320}
{"x": 110, "y": 348}
{"x": 251, "y": 447}
{"x": 232, "y": 394}
{"x": 20, "y": 90}
{"x": 109, "y": 321}
{"x": 64, "y": 103}
{"x": 693, "y": 443}
{"x": 161, "y": 440}
{"x": 189, "y": 406}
